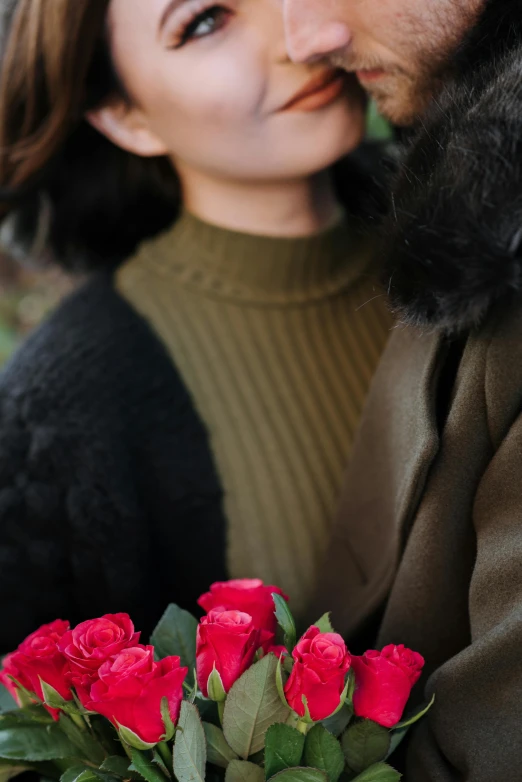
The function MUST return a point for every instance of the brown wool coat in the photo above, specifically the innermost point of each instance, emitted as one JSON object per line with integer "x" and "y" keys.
{"x": 434, "y": 519}
{"x": 430, "y": 524}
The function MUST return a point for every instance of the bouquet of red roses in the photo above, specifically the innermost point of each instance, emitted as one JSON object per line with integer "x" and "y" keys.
{"x": 210, "y": 700}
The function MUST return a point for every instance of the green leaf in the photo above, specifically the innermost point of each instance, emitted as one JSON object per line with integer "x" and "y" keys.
{"x": 28, "y": 716}
{"x": 301, "y": 775}
{"x": 218, "y": 751}
{"x": 338, "y": 723}
{"x": 176, "y": 634}
{"x": 243, "y": 771}
{"x": 119, "y": 767}
{"x": 323, "y": 751}
{"x": 149, "y": 770}
{"x": 89, "y": 775}
{"x": 324, "y": 624}
{"x": 163, "y": 756}
{"x": 283, "y": 748}
{"x": 253, "y": 704}
{"x": 190, "y": 751}
{"x": 364, "y": 744}
{"x": 416, "y": 716}
{"x": 74, "y": 773}
{"x": 379, "y": 772}
{"x": 35, "y": 743}
{"x": 79, "y": 772}
{"x": 286, "y": 621}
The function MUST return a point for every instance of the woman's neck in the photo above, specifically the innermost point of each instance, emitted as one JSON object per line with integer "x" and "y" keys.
{"x": 288, "y": 209}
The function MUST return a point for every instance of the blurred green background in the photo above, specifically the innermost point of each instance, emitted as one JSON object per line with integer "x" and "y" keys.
{"x": 28, "y": 294}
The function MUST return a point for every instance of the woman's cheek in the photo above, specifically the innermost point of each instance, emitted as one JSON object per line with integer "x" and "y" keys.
{"x": 216, "y": 122}
{"x": 231, "y": 91}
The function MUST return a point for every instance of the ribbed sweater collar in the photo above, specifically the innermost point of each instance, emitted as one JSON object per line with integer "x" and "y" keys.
{"x": 245, "y": 267}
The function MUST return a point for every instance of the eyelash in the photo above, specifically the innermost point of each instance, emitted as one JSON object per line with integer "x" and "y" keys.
{"x": 187, "y": 28}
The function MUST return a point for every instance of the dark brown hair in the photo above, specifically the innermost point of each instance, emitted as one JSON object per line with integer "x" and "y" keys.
{"x": 66, "y": 192}
{"x": 64, "y": 188}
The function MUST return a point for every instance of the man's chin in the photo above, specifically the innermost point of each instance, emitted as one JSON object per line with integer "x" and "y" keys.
{"x": 399, "y": 104}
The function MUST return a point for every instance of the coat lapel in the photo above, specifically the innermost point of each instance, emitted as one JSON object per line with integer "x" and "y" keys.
{"x": 395, "y": 447}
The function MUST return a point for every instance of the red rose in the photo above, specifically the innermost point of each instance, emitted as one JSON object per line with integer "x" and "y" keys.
{"x": 93, "y": 642}
{"x": 248, "y": 595}
{"x": 38, "y": 657}
{"x": 321, "y": 663}
{"x": 384, "y": 681}
{"x": 131, "y": 687}
{"x": 227, "y": 640}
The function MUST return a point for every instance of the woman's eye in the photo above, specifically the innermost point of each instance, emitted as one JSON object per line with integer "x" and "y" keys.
{"x": 206, "y": 23}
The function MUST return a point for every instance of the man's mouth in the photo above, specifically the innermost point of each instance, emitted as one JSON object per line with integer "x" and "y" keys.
{"x": 370, "y": 76}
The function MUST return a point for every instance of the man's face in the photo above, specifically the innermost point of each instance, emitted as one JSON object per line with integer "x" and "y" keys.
{"x": 400, "y": 49}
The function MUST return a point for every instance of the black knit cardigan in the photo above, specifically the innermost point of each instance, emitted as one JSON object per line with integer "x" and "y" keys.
{"x": 109, "y": 498}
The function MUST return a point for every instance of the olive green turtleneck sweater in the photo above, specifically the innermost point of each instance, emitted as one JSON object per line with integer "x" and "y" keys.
{"x": 277, "y": 341}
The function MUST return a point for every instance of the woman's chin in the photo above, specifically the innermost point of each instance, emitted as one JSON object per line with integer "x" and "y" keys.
{"x": 321, "y": 149}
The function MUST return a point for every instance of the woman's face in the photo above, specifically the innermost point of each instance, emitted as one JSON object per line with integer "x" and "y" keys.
{"x": 212, "y": 87}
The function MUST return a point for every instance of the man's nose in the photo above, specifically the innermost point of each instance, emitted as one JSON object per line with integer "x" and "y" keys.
{"x": 311, "y": 32}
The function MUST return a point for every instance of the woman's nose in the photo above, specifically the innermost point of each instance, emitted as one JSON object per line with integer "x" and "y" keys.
{"x": 311, "y": 32}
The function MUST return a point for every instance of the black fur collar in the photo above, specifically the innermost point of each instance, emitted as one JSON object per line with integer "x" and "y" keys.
{"x": 454, "y": 237}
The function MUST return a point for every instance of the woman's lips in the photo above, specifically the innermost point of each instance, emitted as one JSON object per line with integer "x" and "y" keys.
{"x": 319, "y": 92}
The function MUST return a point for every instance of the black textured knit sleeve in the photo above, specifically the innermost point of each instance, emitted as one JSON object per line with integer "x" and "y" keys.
{"x": 34, "y": 568}
{"x": 106, "y": 477}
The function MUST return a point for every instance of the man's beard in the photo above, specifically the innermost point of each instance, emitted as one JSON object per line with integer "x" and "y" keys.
{"x": 400, "y": 96}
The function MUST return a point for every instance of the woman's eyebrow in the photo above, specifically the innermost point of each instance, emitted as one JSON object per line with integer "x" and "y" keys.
{"x": 168, "y": 11}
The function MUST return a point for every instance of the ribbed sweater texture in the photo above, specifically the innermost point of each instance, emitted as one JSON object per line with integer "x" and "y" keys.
{"x": 277, "y": 341}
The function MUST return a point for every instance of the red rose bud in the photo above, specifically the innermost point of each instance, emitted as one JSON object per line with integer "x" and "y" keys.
{"x": 227, "y": 640}
{"x": 321, "y": 664}
{"x": 38, "y": 659}
{"x": 248, "y": 595}
{"x": 93, "y": 642}
{"x": 383, "y": 683}
{"x": 131, "y": 687}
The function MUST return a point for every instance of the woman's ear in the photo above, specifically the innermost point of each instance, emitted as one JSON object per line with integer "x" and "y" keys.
{"x": 126, "y": 127}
